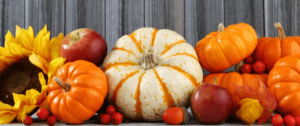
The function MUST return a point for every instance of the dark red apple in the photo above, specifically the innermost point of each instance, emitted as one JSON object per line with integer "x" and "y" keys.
{"x": 211, "y": 104}
{"x": 84, "y": 44}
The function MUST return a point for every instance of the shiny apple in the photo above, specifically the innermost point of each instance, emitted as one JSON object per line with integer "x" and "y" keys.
{"x": 84, "y": 44}
{"x": 211, "y": 104}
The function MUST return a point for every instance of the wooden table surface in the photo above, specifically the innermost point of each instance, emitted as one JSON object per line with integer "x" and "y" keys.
{"x": 93, "y": 121}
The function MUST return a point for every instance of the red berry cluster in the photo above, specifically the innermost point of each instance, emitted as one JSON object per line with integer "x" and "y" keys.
{"x": 288, "y": 120}
{"x": 250, "y": 64}
{"x": 43, "y": 114}
{"x": 111, "y": 116}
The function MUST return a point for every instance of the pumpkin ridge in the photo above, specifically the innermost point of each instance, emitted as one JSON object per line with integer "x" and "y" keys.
{"x": 65, "y": 101}
{"x": 123, "y": 49}
{"x": 119, "y": 85}
{"x": 203, "y": 55}
{"x": 79, "y": 104}
{"x": 138, "y": 105}
{"x": 167, "y": 96}
{"x": 110, "y": 65}
{"x": 57, "y": 112}
{"x": 184, "y": 53}
{"x": 190, "y": 77}
{"x": 153, "y": 37}
{"x": 285, "y": 99}
{"x": 168, "y": 47}
{"x": 138, "y": 45}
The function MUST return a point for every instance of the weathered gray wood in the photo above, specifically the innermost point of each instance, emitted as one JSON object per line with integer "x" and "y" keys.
{"x": 284, "y": 11}
{"x": 12, "y": 14}
{"x": 39, "y": 13}
{"x": 248, "y": 11}
{"x": 113, "y": 22}
{"x": 132, "y": 15}
{"x": 165, "y": 14}
{"x": 201, "y": 18}
{"x": 85, "y": 14}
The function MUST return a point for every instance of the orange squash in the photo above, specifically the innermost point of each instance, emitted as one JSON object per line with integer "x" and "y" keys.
{"x": 271, "y": 49}
{"x": 226, "y": 47}
{"x": 227, "y": 79}
{"x": 284, "y": 84}
{"x": 77, "y": 91}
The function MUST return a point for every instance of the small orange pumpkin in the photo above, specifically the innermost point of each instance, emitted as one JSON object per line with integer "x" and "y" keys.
{"x": 271, "y": 49}
{"x": 227, "y": 79}
{"x": 284, "y": 84}
{"x": 77, "y": 91}
{"x": 226, "y": 47}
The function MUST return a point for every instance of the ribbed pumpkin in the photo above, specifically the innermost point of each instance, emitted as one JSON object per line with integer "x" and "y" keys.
{"x": 77, "y": 91}
{"x": 226, "y": 47}
{"x": 149, "y": 71}
{"x": 271, "y": 49}
{"x": 284, "y": 84}
{"x": 227, "y": 79}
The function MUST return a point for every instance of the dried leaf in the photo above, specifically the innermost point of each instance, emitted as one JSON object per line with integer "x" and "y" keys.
{"x": 250, "y": 110}
{"x": 263, "y": 95}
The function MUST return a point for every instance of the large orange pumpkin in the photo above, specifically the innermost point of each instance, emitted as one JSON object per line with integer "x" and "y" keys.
{"x": 226, "y": 47}
{"x": 227, "y": 79}
{"x": 77, "y": 91}
{"x": 284, "y": 84}
{"x": 271, "y": 49}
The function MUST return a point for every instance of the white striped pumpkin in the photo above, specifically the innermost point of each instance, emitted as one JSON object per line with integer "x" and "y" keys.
{"x": 150, "y": 71}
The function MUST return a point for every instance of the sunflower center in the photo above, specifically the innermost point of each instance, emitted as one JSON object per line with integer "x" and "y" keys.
{"x": 17, "y": 78}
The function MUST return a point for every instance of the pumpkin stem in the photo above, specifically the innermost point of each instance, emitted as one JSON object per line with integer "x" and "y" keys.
{"x": 280, "y": 30}
{"x": 221, "y": 28}
{"x": 238, "y": 66}
{"x": 215, "y": 80}
{"x": 65, "y": 86}
{"x": 148, "y": 60}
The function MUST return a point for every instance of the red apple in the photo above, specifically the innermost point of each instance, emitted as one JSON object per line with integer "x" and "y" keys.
{"x": 84, "y": 44}
{"x": 211, "y": 104}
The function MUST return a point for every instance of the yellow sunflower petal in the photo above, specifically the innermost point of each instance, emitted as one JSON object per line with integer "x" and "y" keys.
{"x": 18, "y": 31}
{"x": 55, "y": 65}
{"x": 7, "y": 107}
{"x": 20, "y": 100}
{"x": 18, "y": 51}
{"x": 9, "y": 38}
{"x": 55, "y": 46}
{"x": 25, "y": 39}
{"x": 41, "y": 47}
{"x": 7, "y": 116}
{"x": 8, "y": 60}
{"x": 25, "y": 110}
{"x": 30, "y": 32}
{"x": 32, "y": 95}
{"x": 39, "y": 62}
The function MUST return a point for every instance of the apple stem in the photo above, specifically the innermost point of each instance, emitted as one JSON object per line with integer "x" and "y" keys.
{"x": 280, "y": 30}
{"x": 148, "y": 60}
{"x": 221, "y": 28}
{"x": 65, "y": 86}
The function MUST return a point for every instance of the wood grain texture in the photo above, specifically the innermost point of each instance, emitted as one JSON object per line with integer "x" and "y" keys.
{"x": 39, "y": 13}
{"x": 201, "y": 18}
{"x": 12, "y": 14}
{"x": 113, "y": 24}
{"x": 85, "y": 14}
{"x": 284, "y": 11}
{"x": 248, "y": 11}
{"x": 132, "y": 15}
{"x": 165, "y": 14}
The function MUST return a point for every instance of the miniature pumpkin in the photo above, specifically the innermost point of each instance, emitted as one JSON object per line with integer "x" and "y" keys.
{"x": 228, "y": 79}
{"x": 149, "y": 71}
{"x": 77, "y": 91}
{"x": 226, "y": 47}
{"x": 284, "y": 84}
{"x": 271, "y": 49}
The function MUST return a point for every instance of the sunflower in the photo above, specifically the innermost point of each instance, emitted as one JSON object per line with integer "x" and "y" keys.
{"x": 24, "y": 62}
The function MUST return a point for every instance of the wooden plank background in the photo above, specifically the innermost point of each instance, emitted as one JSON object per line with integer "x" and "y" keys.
{"x": 193, "y": 19}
